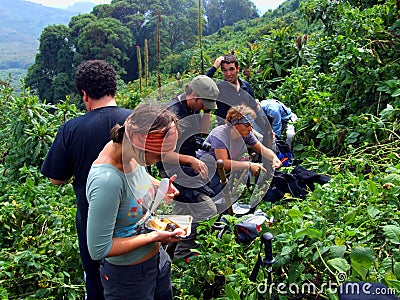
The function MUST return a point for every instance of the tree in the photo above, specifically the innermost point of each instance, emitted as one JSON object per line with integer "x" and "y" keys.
{"x": 130, "y": 13}
{"x": 180, "y": 24}
{"x": 214, "y": 9}
{"x": 110, "y": 31}
{"x": 54, "y": 58}
{"x": 77, "y": 24}
{"x": 222, "y": 13}
{"x": 236, "y": 10}
{"x": 105, "y": 39}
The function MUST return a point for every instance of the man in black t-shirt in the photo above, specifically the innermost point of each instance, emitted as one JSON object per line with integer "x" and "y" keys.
{"x": 78, "y": 143}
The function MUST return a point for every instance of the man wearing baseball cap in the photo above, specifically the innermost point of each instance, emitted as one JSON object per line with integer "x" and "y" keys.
{"x": 193, "y": 108}
{"x": 204, "y": 89}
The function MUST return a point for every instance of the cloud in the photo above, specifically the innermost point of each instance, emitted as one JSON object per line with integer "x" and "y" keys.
{"x": 270, "y": 4}
{"x": 66, "y": 3}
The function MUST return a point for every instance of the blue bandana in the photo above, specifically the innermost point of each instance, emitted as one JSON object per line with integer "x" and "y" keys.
{"x": 244, "y": 120}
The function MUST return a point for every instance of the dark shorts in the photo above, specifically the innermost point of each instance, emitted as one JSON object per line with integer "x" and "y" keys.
{"x": 145, "y": 281}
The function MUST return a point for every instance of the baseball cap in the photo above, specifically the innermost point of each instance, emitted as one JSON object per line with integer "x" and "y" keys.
{"x": 206, "y": 89}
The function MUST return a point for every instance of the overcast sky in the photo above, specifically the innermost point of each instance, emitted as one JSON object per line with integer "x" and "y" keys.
{"x": 262, "y": 5}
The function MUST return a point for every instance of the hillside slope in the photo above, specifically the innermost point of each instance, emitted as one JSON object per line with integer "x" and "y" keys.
{"x": 21, "y": 24}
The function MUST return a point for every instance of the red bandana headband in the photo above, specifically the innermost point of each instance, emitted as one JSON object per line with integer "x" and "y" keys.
{"x": 157, "y": 141}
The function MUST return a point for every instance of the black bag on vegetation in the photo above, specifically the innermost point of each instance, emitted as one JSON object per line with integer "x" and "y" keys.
{"x": 294, "y": 183}
{"x": 248, "y": 229}
{"x": 307, "y": 178}
{"x": 281, "y": 184}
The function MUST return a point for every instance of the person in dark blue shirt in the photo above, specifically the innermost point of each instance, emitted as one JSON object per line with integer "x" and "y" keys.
{"x": 78, "y": 143}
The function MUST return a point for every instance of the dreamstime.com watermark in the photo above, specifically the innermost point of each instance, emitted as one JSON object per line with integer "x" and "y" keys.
{"x": 350, "y": 288}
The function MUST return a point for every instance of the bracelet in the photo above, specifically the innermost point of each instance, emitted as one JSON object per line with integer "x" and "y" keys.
{"x": 249, "y": 165}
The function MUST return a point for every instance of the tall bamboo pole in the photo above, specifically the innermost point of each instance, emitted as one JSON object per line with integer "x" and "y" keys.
{"x": 158, "y": 50}
{"x": 200, "y": 30}
{"x": 139, "y": 62}
{"x": 146, "y": 62}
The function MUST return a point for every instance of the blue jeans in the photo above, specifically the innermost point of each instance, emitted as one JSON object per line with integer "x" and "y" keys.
{"x": 144, "y": 281}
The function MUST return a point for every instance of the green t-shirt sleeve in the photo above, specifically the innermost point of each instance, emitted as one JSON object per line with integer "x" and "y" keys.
{"x": 104, "y": 193}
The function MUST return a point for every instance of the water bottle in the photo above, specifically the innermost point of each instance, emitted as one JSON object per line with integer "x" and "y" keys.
{"x": 290, "y": 132}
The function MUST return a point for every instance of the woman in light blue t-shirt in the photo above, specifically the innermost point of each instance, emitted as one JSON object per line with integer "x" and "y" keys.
{"x": 134, "y": 266}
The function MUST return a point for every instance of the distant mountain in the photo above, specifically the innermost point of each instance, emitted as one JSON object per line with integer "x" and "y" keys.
{"x": 81, "y": 7}
{"x": 22, "y": 22}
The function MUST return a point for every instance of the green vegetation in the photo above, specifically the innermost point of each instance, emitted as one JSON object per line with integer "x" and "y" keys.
{"x": 112, "y": 32}
{"x": 14, "y": 76}
{"x": 341, "y": 77}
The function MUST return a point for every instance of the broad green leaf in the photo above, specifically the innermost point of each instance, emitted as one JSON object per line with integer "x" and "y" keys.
{"x": 298, "y": 147}
{"x": 396, "y": 93}
{"x": 394, "y": 284}
{"x": 295, "y": 213}
{"x": 310, "y": 232}
{"x": 353, "y": 135}
{"x": 339, "y": 264}
{"x": 361, "y": 260}
{"x": 286, "y": 250}
{"x": 392, "y": 178}
{"x": 373, "y": 211}
{"x": 30, "y": 183}
{"x": 362, "y": 255}
{"x": 283, "y": 237}
{"x": 42, "y": 293}
{"x": 3, "y": 293}
{"x": 278, "y": 69}
{"x": 350, "y": 216}
{"x": 231, "y": 293}
{"x": 337, "y": 251}
{"x": 392, "y": 233}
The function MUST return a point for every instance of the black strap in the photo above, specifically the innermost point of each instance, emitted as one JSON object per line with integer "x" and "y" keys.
{"x": 254, "y": 273}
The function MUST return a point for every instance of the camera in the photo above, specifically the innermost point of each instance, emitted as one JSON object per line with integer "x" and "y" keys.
{"x": 199, "y": 143}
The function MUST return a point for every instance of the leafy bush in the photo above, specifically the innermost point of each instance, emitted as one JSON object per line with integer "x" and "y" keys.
{"x": 39, "y": 250}
{"x": 347, "y": 229}
{"x": 29, "y": 129}
{"x": 341, "y": 80}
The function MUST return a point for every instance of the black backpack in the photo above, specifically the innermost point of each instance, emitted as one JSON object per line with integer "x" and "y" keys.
{"x": 294, "y": 183}
{"x": 281, "y": 184}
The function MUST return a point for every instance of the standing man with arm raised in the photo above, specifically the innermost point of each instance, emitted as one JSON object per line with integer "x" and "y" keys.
{"x": 235, "y": 91}
{"x": 78, "y": 143}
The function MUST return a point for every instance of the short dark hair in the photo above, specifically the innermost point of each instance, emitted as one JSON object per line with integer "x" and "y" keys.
{"x": 230, "y": 58}
{"x": 97, "y": 78}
